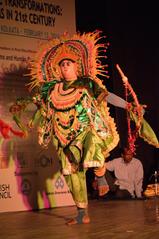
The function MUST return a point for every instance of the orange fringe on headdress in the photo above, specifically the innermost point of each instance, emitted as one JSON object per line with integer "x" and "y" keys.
{"x": 64, "y": 52}
{"x": 82, "y": 48}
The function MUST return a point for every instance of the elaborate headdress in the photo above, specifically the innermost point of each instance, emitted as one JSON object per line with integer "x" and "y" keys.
{"x": 83, "y": 49}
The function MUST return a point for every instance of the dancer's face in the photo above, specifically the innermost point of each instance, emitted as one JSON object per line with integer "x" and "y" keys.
{"x": 68, "y": 70}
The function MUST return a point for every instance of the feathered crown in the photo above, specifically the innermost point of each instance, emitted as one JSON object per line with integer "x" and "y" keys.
{"x": 81, "y": 48}
{"x": 64, "y": 52}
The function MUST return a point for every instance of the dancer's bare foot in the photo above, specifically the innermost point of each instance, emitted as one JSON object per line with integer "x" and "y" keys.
{"x": 103, "y": 189}
{"x": 74, "y": 221}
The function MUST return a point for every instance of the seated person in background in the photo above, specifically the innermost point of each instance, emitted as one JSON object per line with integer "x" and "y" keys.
{"x": 123, "y": 177}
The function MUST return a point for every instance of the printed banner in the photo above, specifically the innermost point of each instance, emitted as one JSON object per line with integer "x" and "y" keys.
{"x": 25, "y": 24}
{"x": 29, "y": 175}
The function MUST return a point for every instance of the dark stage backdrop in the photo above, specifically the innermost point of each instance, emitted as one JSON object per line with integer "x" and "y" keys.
{"x": 132, "y": 30}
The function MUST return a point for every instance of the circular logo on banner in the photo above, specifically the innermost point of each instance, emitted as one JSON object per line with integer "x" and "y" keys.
{"x": 44, "y": 161}
{"x": 26, "y": 187}
{"x": 59, "y": 183}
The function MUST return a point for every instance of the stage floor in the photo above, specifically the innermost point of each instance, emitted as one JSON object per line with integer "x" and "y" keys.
{"x": 135, "y": 219}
